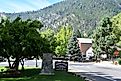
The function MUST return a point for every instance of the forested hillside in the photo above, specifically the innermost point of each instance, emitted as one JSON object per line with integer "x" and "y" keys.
{"x": 81, "y": 14}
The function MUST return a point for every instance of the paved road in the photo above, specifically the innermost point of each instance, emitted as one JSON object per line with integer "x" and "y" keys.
{"x": 31, "y": 63}
{"x": 99, "y": 72}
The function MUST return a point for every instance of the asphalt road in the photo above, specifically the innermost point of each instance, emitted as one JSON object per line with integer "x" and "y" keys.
{"x": 96, "y": 72}
{"x": 29, "y": 63}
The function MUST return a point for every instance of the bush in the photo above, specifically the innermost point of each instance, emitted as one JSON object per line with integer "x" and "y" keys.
{"x": 119, "y": 62}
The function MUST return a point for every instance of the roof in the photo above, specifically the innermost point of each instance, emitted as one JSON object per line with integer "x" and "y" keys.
{"x": 84, "y": 40}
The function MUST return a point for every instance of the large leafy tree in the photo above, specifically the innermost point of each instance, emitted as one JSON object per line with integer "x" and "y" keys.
{"x": 62, "y": 38}
{"x": 19, "y": 39}
{"x": 103, "y": 38}
{"x": 116, "y": 20}
{"x": 49, "y": 40}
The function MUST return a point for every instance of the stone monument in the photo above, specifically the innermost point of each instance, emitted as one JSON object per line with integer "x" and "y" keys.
{"x": 47, "y": 64}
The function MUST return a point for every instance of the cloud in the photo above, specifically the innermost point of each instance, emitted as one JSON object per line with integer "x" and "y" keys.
{"x": 22, "y": 5}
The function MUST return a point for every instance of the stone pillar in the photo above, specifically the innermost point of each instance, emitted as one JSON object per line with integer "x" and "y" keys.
{"x": 47, "y": 64}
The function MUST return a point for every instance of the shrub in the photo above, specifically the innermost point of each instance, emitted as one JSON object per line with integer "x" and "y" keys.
{"x": 119, "y": 61}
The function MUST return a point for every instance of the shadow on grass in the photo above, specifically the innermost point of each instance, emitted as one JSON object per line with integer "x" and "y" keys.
{"x": 29, "y": 72}
{"x": 22, "y": 73}
{"x": 33, "y": 75}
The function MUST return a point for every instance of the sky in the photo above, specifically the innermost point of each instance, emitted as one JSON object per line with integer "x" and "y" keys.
{"x": 11, "y": 6}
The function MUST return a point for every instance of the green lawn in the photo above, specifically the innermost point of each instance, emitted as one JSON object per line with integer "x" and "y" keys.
{"x": 33, "y": 75}
{"x": 2, "y": 68}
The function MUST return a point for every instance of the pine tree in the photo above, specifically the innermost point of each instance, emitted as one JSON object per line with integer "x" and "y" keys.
{"x": 103, "y": 38}
{"x": 73, "y": 48}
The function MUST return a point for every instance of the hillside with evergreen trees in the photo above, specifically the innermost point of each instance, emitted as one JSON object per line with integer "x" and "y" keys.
{"x": 80, "y": 14}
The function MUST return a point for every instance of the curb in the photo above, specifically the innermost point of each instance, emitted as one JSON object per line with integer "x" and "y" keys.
{"x": 107, "y": 65}
{"x": 82, "y": 76}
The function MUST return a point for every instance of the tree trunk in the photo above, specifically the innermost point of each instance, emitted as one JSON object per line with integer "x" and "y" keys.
{"x": 36, "y": 62}
{"x": 9, "y": 62}
{"x": 15, "y": 65}
{"x": 22, "y": 64}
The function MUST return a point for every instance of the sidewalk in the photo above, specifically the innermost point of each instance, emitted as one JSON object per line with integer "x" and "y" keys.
{"x": 75, "y": 66}
{"x": 108, "y": 64}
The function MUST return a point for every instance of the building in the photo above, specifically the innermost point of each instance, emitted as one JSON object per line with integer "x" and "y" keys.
{"x": 85, "y": 45}
{"x": 89, "y": 53}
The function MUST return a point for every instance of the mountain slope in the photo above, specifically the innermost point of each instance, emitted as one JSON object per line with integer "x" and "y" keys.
{"x": 81, "y": 14}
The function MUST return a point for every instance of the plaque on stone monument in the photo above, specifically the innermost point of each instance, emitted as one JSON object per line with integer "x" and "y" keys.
{"x": 61, "y": 66}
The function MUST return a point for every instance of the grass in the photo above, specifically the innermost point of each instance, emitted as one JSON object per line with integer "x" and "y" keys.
{"x": 2, "y": 68}
{"x": 33, "y": 75}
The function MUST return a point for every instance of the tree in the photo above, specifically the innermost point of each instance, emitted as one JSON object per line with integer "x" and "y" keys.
{"x": 96, "y": 42}
{"x": 5, "y": 45}
{"x": 73, "y": 48}
{"x": 19, "y": 39}
{"x": 62, "y": 38}
{"x": 78, "y": 33}
{"x": 83, "y": 34}
{"x": 116, "y": 22}
{"x": 103, "y": 38}
{"x": 49, "y": 41}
